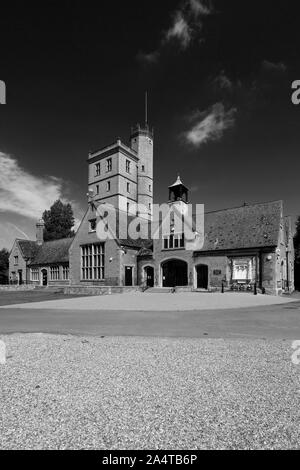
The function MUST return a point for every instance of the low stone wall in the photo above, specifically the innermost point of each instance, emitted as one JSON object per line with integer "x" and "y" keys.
{"x": 99, "y": 290}
{"x": 17, "y": 288}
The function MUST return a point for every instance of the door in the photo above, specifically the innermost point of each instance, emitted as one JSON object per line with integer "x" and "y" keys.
{"x": 44, "y": 277}
{"x": 20, "y": 277}
{"x": 174, "y": 273}
{"x": 128, "y": 275}
{"x": 202, "y": 276}
{"x": 149, "y": 275}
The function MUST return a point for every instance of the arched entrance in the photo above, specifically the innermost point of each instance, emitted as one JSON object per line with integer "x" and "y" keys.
{"x": 149, "y": 276}
{"x": 202, "y": 276}
{"x": 44, "y": 277}
{"x": 174, "y": 273}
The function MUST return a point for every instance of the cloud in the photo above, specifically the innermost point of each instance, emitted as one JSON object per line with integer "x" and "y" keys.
{"x": 180, "y": 30}
{"x": 148, "y": 58}
{"x": 223, "y": 82}
{"x": 210, "y": 125}
{"x": 199, "y": 8}
{"x": 23, "y": 193}
{"x": 279, "y": 67}
{"x": 185, "y": 27}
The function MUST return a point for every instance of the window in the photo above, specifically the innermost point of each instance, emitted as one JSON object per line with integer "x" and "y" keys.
{"x": 65, "y": 273}
{"x": 97, "y": 189}
{"x": 173, "y": 241}
{"x": 98, "y": 169}
{"x": 149, "y": 205}
{"x": 108, "y": 164}
{"x": 93, "y": 225}
{"x": 16, "y": 260}
{"x": 128, "y": 207}
{"x": 128, "y": 166}
{"x": 34, "y": 274}
{"x": 150, "y": 189}
{"x": 143, "y": 167}
{"x": 92, "y": 262}
{"x": 108, "y": 186}
{"x": 128, "y": 187}
{"x": 54, "y": 273}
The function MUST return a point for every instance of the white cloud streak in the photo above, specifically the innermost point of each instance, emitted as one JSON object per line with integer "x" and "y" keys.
{"x": 23, "y": 193}
{"x": 210, "y": 125}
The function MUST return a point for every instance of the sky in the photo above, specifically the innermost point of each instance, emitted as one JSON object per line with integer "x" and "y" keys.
{"x": 218, "y": 76}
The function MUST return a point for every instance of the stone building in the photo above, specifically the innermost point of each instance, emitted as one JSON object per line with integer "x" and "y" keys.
{"x": 40, "y": 263}
{"x": 242, "y": 247}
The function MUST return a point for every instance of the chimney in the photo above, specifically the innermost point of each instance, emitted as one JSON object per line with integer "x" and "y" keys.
{"x": 40, "y": 231}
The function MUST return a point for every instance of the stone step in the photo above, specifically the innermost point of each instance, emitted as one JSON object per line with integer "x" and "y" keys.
{"x": 159, "y": 290}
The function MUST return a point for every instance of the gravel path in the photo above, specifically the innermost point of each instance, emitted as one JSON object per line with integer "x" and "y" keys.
{"x": 64, "y": 392}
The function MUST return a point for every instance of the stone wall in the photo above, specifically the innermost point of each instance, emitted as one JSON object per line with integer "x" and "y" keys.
{"x": 15, "y": 268}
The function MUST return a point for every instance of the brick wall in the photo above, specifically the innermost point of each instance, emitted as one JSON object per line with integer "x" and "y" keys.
{"x": 112, "y": 256}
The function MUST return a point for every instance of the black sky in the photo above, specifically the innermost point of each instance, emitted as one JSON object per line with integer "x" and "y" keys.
{"x": 75, "y": 83}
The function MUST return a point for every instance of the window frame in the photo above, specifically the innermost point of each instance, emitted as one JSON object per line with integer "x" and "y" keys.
{"x": 108, "y": 165}
{"x": 34, "y": 274}
{"x": 54, "y": 273}
{"x": 173, "y": 241}
{"x": 92, "y": 258}
{"x": 98, "y": 169}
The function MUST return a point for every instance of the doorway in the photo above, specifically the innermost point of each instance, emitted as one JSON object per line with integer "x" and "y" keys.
{"x": 128, "y": 275}
{"x": 44, "y": 277}
{"x": 202, "y": 276}
{"x": 20, "y": 275}
{"x": 174, "y": 273}
{"x": 149, "y": 276}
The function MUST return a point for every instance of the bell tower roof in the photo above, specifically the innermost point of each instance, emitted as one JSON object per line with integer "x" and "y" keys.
{"x": 178, "y": 191}
{"x": 177, "y": 182}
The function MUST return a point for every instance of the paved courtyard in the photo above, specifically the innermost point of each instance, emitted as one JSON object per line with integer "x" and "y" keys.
{"x": 137, "y": 301}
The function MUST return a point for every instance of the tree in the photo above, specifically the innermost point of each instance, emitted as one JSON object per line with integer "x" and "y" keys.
{"x": 59, "y": 221}
{"x": 4, "y": 264}
{"x": 297, "y": 254}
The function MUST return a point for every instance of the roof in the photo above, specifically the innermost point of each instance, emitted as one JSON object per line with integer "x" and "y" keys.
{"x": 28, "y": 248}
{"x": 249, "y": 226}
{"x": 53, "y": 252}
{"x": 178, "y": 182}
{"x": 145, "y": 253}
{"x": 139, "y": 243}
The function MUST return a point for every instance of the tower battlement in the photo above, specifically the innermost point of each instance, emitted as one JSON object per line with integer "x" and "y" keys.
{"x": 142, "y": 130}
